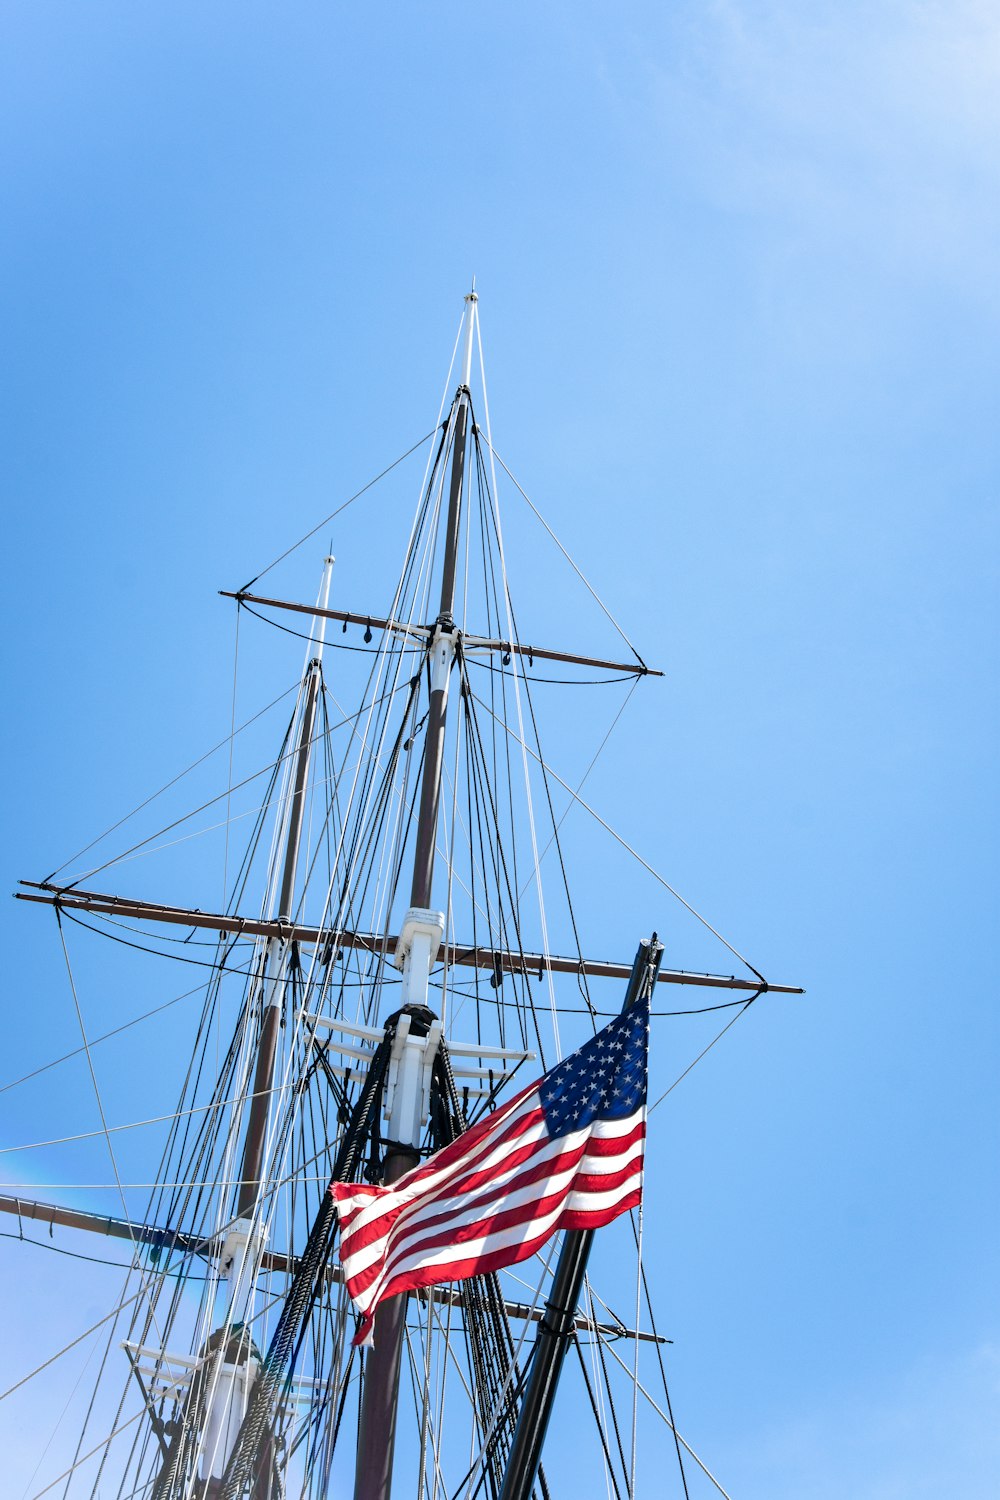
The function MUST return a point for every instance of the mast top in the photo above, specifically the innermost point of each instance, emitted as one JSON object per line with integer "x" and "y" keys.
{"x": 471, "y": 298}
{"x": 322, "y": 605}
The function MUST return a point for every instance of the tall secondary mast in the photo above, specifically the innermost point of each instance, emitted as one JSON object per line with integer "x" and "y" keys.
{"x": 234, "y": 1362}
{"x": 277, "y": 952}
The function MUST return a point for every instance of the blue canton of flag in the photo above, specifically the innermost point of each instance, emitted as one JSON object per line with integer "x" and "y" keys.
{"x": 605, "y": 1079}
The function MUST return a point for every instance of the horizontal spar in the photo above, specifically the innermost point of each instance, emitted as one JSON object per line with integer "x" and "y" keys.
{"x": 122, "y": 1229}
{"x": 119, "y": 1229}
{"x": 497, "y": 960}
{"x": 143, "y": 1234}
{"x": 271, "y": 1260}
{"x": 421, "y": 632}
{"x": 470, "y": 642}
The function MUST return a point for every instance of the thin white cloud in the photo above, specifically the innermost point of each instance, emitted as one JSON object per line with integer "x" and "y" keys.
{"x": 867, "y": 130}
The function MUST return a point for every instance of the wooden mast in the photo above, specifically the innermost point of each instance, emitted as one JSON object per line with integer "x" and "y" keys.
{"x": 380, "y": 1394}
{"x": 226, "y": 1391}
{"x": 267, "y": 1046}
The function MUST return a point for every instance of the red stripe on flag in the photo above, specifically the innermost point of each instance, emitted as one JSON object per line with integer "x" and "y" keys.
{"x": 495, "y": 1260}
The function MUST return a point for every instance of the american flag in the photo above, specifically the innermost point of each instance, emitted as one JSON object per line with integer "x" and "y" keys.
{"x": 564, "y": 1153}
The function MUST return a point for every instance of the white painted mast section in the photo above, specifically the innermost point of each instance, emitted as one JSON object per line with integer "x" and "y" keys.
{"x": 231, "y": 1387}
{"x": 470, "y": 323}
{"x": 322, "y": 602}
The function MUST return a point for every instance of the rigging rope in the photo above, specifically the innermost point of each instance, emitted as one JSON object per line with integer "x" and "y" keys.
{"x": 629, "y": 850}
{"x": 364, "y": 857}
{"x": 166, "y": 786}
{"x": 97, "y": 1260}
{"x": 271, "y": 767}
{"x": 745, "y": 1006}
{"x": 229, "y": 768}
{"x": 95, "y": 1041}
{"x": 93, "y": 1078}
{"x": 495, "y": 518}
{"x": 663, "y": 1416}
{"x": 577, "y": 570}
{"x": 339, "y": 510}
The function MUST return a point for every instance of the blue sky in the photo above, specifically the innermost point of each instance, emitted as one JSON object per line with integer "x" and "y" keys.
{"x": 737, "y": 267}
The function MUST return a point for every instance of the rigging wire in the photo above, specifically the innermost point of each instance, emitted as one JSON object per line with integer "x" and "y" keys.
{"x": 302, "y": 635}
{"x": 578, "y": 571}
{"x": 588, "y": 682}
{"x": 606, "y": 1343}
{"x": 229, "y": 768}
{"x": 67, "y": 1347}
{"x": 105, "y": 1442}
{"x": 167, "y": 785}
{"x": 222, "y": 796}
{"x": 340, "y": 509}
{"x": 89, "y": 1135}
{"x": 583, "y": 780}
{"x": 663, "y": 1374}
{"x": 58, "y": 1423}
{"x": 495, "y": 518}
{"x": 95, "y": 1041}
{"x": 182, "y": 958}
{"x": 635, "y": 1368}
{"x": 97, "y": 1260}
{"x": 93, "y": 1078}
{"x": 611, "y": 1479}
{"x": 681, "y": 1076}
{"x": 494, "y": 515}
{"x": 635, "y": 855}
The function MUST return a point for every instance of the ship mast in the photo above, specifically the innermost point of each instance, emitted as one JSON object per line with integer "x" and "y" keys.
{"x": 233, "y": 1409}
{"x": 420, "y": 941}
{"x": 237, "y": 1262}
{"x": 277, "y": 952}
